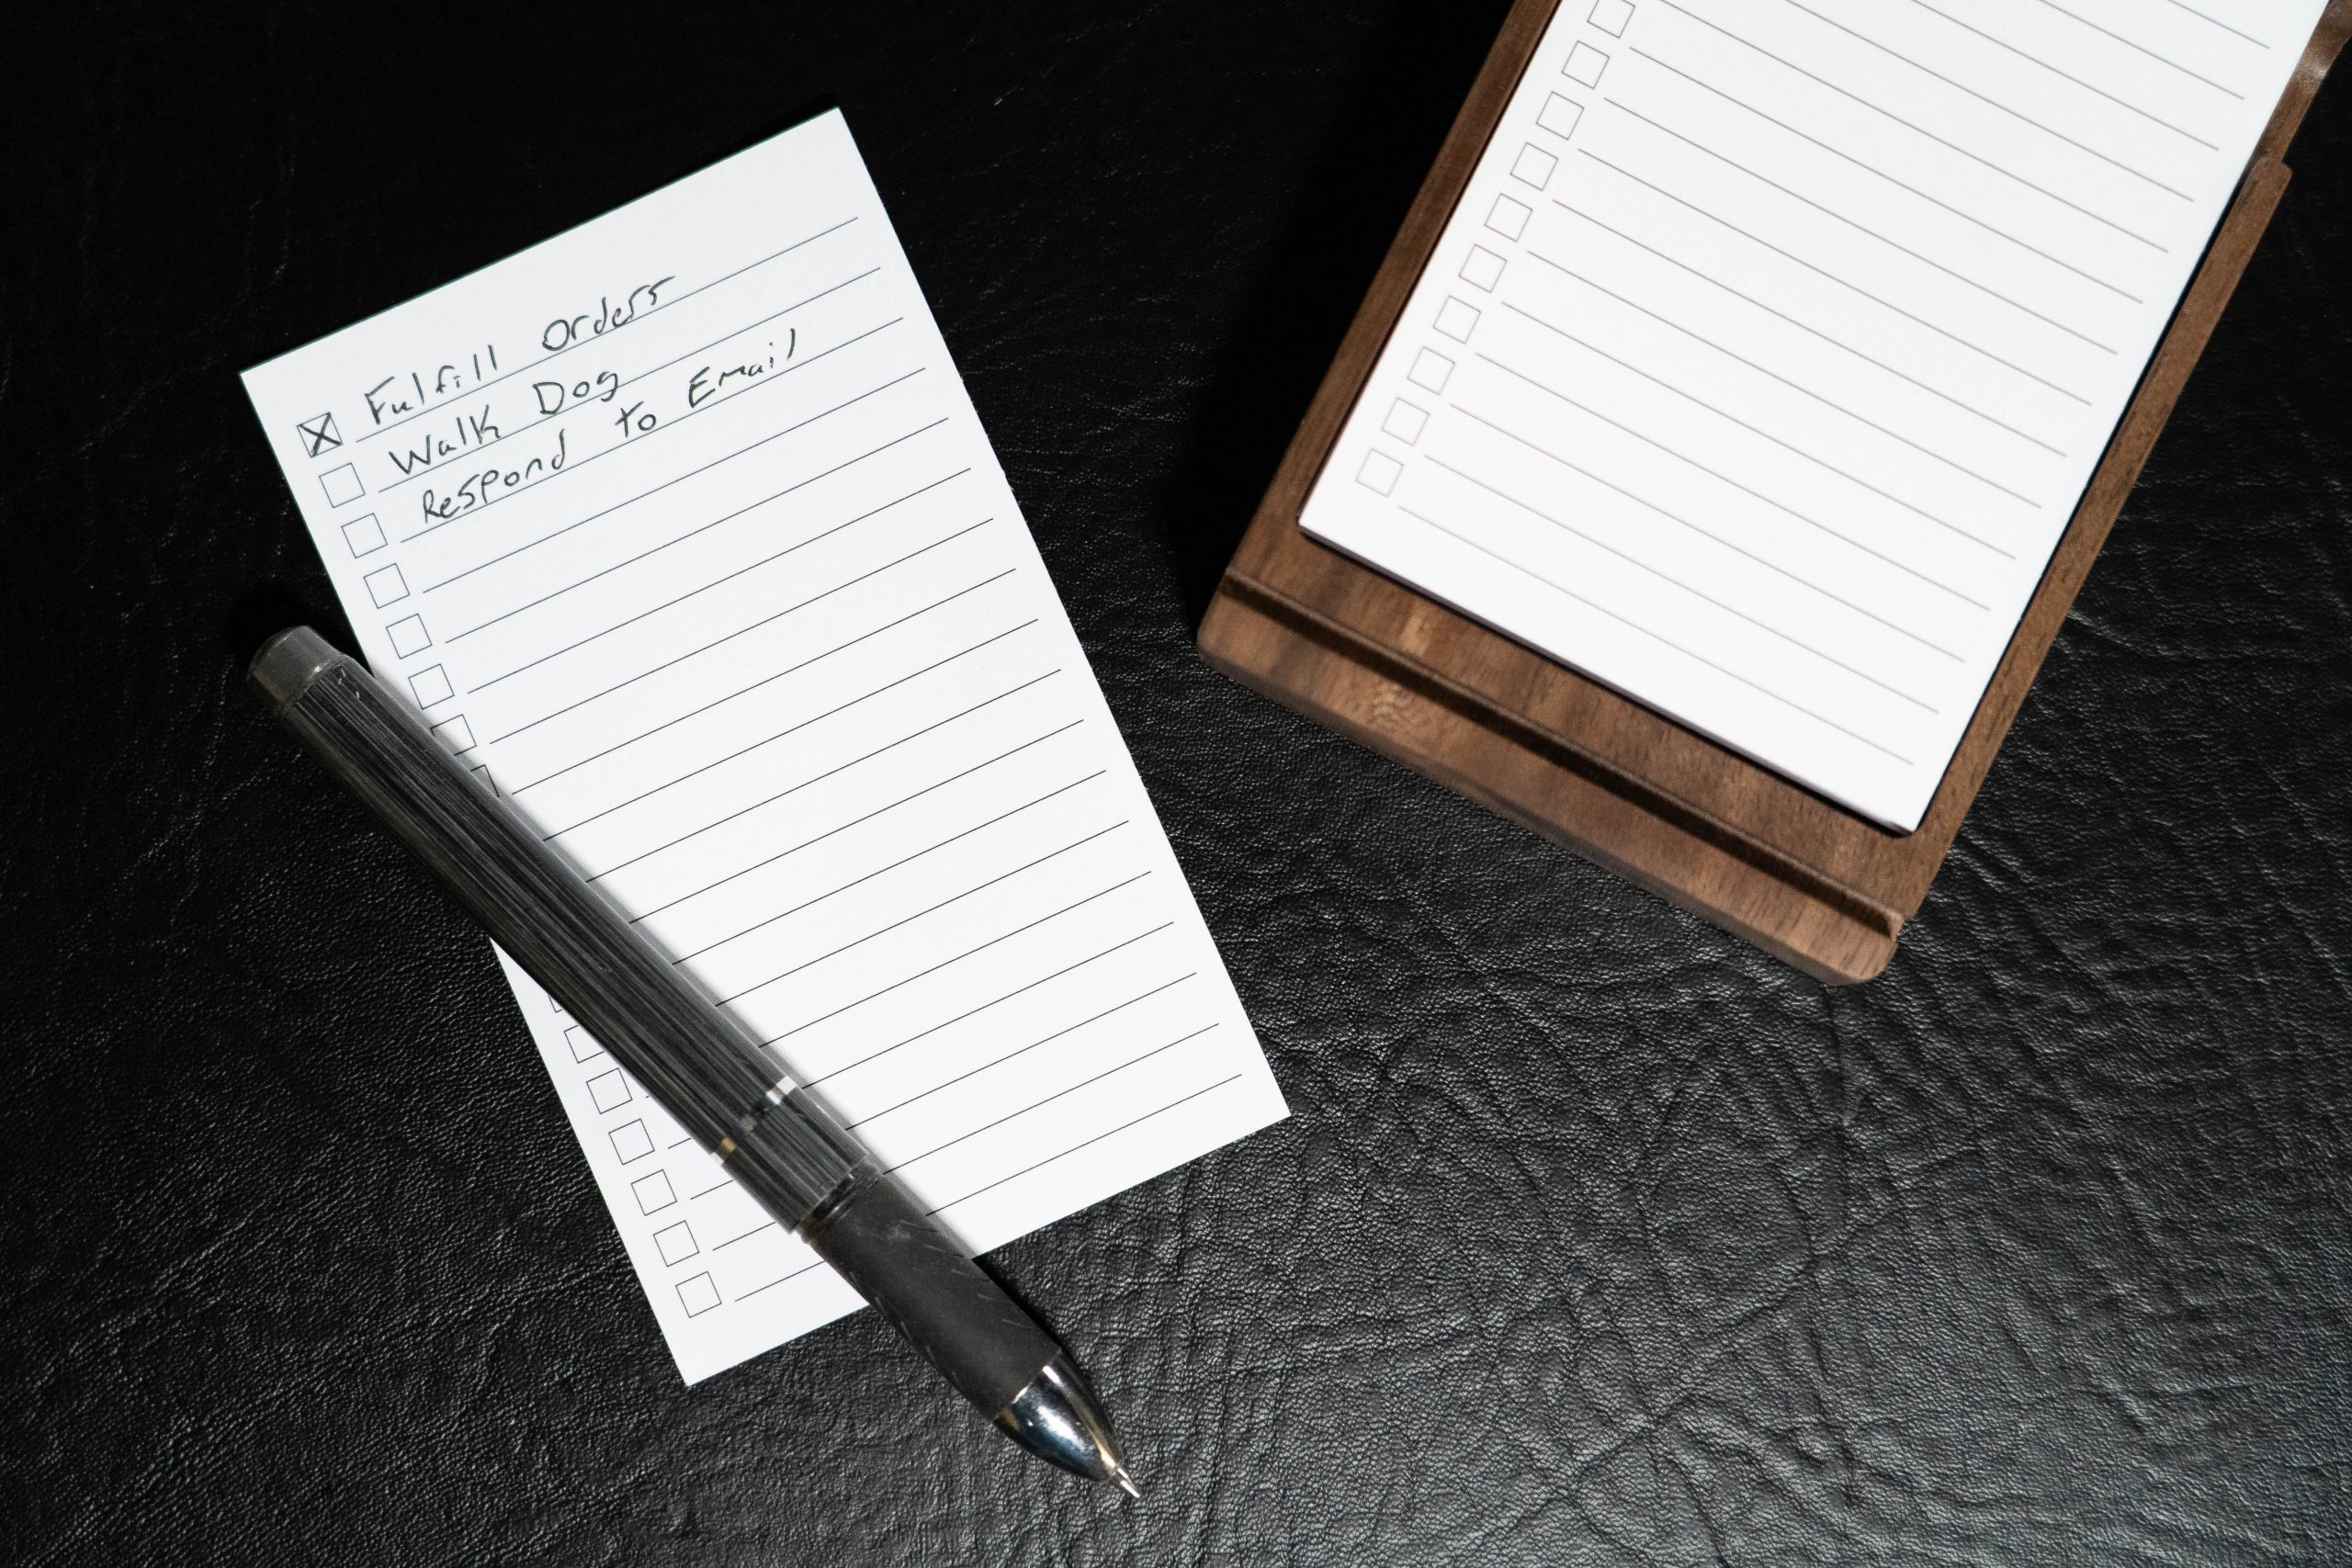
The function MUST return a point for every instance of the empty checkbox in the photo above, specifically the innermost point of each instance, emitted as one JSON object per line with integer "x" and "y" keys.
{"x": 608, "y": 1091}
{"x": 653, "y": 1191}
{"x": 408, "y": 635}
{"x": 1510, "y": 217}
{"x": 1405, "y": 421}
{"x": 1533, "y": 166}
{"x": 1610, "y": 16}
{"x": 1456, "y": 318}
{"x": 583, "y": 1044}
{"x": 1379, "y": 473}
{"x": 431, "y": 685}
{"x": 1429, "y": 371}
{"x": 1560, "y": 114}
{"x": 342, "y": 485}
{"x": 1585, "y": 64}
{"x": 632, "y": 1141}
{"x": 480, "y": 772}
{"x": 456, "y": 734}
{"x": 364, "y": 534}
{"x": 1482, "y": 268}
{"x": 676, "y": 1242}
{"x": 697, "y": 1295}
{"x": 386, "y": 585}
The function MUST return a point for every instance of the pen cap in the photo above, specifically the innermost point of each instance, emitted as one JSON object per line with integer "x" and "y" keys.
{"x": 693, "y": 1057}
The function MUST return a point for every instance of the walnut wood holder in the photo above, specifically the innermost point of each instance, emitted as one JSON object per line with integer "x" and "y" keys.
{"x": 1627, "y": 787}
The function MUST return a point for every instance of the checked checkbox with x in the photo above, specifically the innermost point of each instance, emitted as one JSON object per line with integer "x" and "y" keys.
{"x": 319, "y": 435}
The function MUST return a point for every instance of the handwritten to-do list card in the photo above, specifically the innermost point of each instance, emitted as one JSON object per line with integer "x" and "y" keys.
{"x": 1774, "y": 342}
{"x": 681, "y": 530}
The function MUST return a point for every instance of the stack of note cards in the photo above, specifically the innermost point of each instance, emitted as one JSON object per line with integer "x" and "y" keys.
{"x": 681, "y": 530}
{"x": 1774, "y": 343}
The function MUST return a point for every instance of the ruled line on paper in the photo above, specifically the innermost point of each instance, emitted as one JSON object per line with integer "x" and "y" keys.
{"x": 1765, "y": 561}
{"x": 798, "y": 664}
{"x": 866, "y": 635}
{"x": 1797, "y": 386}
{"x": 830, "y": 773}
{"x": 1769, "y": 501}
{"x": 2032, "y": 58}
{"x": 793, "y": 728}
{"x": 951, "y": 899}
{"x": 1861, "y": 227}
{"x": 1824, "y": 272}
{"x": 1879, "y": 108}
{"x": 859, "y": 881}
{"x": 741, "y": 1236}
{"x": 1115, "y": 947}
{"x": 772, "y": 1284}
{"x": 1813, "y": 457}
{"x": 2134, "y": 44}
{"x": 713, "y": 583}
{"x": 2009, "y": 109}
{"x": 766, "y": 861}
{"x": 1018, "y": 1052}
{"x": 1048, "y": 1099}
{"x": 968, "y": 952}
{"x": 2203, "y": 17}
{"x": 1828, "y": 338}
{"x": 677, "y": 600}
{"x": 1099, "y": 1138}
{"x": 1900, "y": 184}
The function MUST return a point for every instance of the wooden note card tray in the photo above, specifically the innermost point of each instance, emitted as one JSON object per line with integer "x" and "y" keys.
{"x": 1764, "y": 858}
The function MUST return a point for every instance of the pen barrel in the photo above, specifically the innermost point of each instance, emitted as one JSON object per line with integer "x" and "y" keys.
{"x": 702, "y": 1066}
{"x": 784, "y": 1148}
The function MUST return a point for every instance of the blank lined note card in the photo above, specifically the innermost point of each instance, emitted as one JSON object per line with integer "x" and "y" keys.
{"x": 681, "y": 530}
{"x": 1774, "y": 342}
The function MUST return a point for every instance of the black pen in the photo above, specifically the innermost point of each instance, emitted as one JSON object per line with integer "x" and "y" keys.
{"x": 783, "y": 1148}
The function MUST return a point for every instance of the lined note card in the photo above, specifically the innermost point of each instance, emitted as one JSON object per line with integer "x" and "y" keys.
{"x": 681, "y": 530}
{"x": 1774, "y": 343}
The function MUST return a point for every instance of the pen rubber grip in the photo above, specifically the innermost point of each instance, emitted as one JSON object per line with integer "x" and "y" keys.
{"x": 947, "y": 1305}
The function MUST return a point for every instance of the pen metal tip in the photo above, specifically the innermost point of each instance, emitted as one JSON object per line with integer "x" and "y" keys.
{"x": 1057, "y": 1418}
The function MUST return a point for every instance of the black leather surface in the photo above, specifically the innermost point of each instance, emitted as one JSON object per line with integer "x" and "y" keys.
{"x": 1596, "y": 1238}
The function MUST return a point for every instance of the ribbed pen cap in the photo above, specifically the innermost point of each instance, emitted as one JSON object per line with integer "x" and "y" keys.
{"x": 288, "y": 663}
